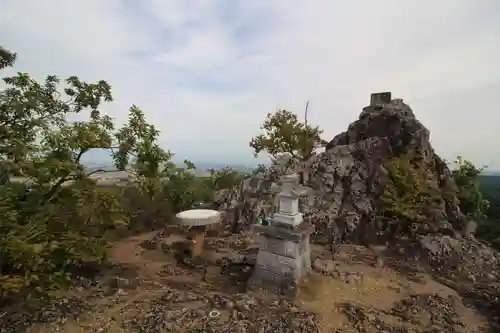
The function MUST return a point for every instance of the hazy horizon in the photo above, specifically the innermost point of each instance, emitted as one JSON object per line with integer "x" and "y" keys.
{"x": 237, "y": 166}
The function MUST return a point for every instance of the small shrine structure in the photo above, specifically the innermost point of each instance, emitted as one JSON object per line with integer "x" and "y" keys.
{"x": 284, "y": 256}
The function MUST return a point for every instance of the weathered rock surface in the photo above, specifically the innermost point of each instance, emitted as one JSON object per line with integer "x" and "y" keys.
{"x": 346, "y": 180}
{"x": 254, "y": 196}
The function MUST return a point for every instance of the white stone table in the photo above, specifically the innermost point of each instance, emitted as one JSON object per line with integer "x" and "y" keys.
{"x": 197, "y": 220}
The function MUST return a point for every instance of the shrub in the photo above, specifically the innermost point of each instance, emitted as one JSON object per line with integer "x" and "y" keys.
{"x": 406, "y": 191}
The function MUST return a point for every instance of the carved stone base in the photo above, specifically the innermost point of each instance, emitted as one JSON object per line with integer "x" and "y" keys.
{"x": 273, "y": 283}
{"x": 284, "y": 258}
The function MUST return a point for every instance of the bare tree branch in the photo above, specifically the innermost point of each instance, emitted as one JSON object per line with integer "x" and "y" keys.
{"x": 306, "y": 154}
{"x": 305, "y": 113}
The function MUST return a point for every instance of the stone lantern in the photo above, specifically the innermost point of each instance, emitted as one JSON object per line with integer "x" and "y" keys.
{"x": 288, "y": 215}
{"x": 284, "y": 256}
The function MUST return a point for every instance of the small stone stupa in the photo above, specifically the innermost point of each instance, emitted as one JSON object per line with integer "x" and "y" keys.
{"x": 284, "y": 256}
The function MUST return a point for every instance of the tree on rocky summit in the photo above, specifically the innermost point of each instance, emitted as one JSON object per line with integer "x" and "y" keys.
{"x": 466, "y": 176}
{"x": 53, "y": 214}
{"x": 284, "y": 133}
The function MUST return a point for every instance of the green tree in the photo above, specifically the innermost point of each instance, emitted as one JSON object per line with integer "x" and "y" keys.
{"x": 7, "y": 58}
{"x": 54, "y": 215}
{"x": 184, "y": 189}
{"x": 285, "y": 133}
{"x": 466, "y": 177}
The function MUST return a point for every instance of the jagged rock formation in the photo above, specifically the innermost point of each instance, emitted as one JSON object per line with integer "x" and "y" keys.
{"x": 351, "y": 174}
{"x": 346, "y": 183}
{"x": 347, "y": 179}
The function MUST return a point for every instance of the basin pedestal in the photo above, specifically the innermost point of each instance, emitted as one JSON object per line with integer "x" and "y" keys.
{"x": 196, "y": 237}
{"x": 197, "y": 221}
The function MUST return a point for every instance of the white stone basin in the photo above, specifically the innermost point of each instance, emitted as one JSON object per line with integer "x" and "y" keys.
{"x": 198, "y": 217}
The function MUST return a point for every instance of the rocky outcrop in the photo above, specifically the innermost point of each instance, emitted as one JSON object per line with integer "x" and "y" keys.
{"x": 345, "y": 185}
{"x": 349, "y": 176}
{"x": 469, "y": 267}
{"x": 254, "y": 196}
{"x": 345, "y": 181}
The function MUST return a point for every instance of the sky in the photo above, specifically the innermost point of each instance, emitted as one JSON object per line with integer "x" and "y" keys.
{"x": 206, "y": 72}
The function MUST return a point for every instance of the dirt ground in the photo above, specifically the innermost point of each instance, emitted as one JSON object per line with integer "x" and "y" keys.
{"x": 147, "y": 289}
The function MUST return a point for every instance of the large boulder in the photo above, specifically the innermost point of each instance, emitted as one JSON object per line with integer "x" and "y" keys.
{"x": 345, "y": 182}
{"x": 350, "y": 175}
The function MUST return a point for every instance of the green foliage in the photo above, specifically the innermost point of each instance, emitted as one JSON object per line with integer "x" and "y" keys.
{"x": 183, "y": 189}
{"x": 7, "y": 58}
{"x": 407, "y": 190}
{"x": 224, "y": 178}
{"x": 489, "y": 229}
{"x": 137, "y": 144}
{"x": 466, "y": 177}
{"x": 490, "y": 188}
{"x": 54, "y": 216}
{"x": 285, "y": 133}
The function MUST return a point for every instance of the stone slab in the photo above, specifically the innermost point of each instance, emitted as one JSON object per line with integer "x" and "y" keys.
{"x": 283, "y": 247}
{"x": 279, "y": 246}
{"x": 273, "y": 283}
{"x": 278, "y": 264}
{"x": 294, "y": 235}
{"x": 286, "y": 220}
{"x": 276, "y": 279}
{"x": 284, "y": 258}
{"x": 286, "y": 266}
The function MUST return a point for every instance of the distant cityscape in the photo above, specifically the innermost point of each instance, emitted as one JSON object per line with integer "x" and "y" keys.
{"x": 201, "y": 169}
{"x": 112, "y": 175}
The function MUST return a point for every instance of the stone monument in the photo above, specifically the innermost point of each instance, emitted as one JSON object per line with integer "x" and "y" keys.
{"x": 284, "y": 256}
{"x": 377, "y": 99}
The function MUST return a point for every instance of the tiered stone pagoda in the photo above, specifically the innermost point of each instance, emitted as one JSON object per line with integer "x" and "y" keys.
{"x": 284, "y": 256}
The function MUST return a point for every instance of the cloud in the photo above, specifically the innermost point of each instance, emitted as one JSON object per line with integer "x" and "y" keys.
{"x": 207, "y": 71}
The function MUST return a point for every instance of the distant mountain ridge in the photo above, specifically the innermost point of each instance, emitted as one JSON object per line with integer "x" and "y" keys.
{"x": 490, "y": 173}
{"x": 202, "y": 167}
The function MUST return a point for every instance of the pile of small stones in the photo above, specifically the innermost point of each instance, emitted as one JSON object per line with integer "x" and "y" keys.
{"x": 471, "y": 268}
{"x": 179, "y": 310}
{"x": 422, "y": 313}
{"x": 57, "y": 312}
{"x": 328, "y": 268}
{"x": 214, "y": 312}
